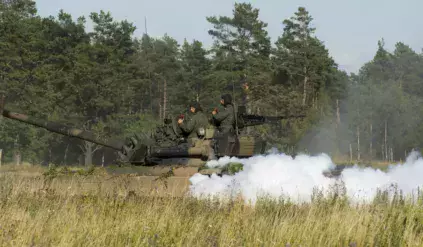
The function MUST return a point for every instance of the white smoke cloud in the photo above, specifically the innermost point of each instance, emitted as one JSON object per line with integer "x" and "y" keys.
{"x": 280, "y": 175}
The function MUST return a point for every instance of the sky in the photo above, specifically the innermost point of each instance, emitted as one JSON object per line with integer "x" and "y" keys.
{"x": 349, "y": 29}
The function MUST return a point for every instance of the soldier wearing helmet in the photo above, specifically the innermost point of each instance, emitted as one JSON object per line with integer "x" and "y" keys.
{"x": 226, "y": 118}
{"x": 197, "y": 121}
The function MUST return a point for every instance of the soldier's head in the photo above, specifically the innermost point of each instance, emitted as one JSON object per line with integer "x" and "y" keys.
{"x": 226, "y": 99}
{"x": 195, "y": 107}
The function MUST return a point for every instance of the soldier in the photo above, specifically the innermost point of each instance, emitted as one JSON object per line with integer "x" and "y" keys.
{"x": 167, "y": 135}
{"x": 226, "y": 118}
{"x": 198, "y": 120}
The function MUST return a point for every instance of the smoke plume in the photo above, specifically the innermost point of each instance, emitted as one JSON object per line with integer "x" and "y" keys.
{"x": 280, "y": 175}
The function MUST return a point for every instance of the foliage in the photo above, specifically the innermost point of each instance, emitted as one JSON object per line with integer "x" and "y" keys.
{"x": 112, "y": 83}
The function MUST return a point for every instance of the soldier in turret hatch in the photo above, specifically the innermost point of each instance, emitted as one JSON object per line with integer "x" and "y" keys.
{"x": 198, "y": 120}
{"x": 226, "y": 118}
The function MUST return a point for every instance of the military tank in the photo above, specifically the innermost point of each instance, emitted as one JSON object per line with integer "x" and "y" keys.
{"x": 179, "y": 156}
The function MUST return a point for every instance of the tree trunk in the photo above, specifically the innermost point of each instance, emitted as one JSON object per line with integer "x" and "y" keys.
{"x": 358, "y": 134}
{"x": 371, "y": 142}
{"x": 358, "y": 142}
{"x": 151, "y": 95}
{"x": 17, "y": 158}
{"x": 386, "y": 137}
{"x": 88, "y": 153}
{"x": 1, "y": 152}
{"x": 392, "y": 154}
{"x": 400, "y": 80}
{"x": 316, "y": 102}
{"x": 383, "y": 152}
{"x": 351, "y": 153}
{"x": 248, "y": 108}
{"x": 49, "y": 155}
{"x": 305, "y": 86}
{"x": 164, "y": 98}
{"x": 16, "y": 154}
{"x": 89, "y": 149}
{"x": 130, "y": 103}
{"x": 160, "y": 102}
{"x": 338, "y": 116}
{"x": 102, "y": 160}
{"x": 66, "y": 155}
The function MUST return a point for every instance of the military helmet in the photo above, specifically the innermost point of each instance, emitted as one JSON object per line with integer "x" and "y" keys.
{"x": 227, "y": 98}
{"x": 196, "y": 105}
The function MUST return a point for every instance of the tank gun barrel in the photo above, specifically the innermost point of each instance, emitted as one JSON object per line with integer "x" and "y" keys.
{"x": 254, "y": 120}
{"x": 62, "y": 129}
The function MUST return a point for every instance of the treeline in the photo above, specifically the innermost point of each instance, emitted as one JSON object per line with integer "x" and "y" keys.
{"x": 115, "y": 84}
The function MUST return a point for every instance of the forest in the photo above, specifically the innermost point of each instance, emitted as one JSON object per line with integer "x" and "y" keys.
{"x": 115, "y": 84}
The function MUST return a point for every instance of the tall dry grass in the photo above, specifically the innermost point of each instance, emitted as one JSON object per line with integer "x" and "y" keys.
{"x": 96, "y": 210}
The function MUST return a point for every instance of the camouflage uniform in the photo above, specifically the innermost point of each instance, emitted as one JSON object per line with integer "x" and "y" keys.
{"x": 198, "y": 120}
{"x": 226, "y": 118}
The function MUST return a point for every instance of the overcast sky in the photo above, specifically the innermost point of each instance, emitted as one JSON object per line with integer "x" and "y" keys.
{"x": 350, "y": 29}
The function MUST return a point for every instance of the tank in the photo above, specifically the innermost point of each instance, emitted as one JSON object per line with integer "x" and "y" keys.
{"x": 169, "y": 151}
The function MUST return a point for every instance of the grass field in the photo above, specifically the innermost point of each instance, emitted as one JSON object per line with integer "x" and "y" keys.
{"x": 89, "y": 208}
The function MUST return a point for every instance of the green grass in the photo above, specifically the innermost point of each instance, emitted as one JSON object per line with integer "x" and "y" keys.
{"x": 92, "y": 209}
